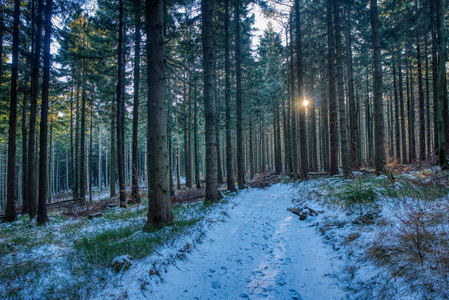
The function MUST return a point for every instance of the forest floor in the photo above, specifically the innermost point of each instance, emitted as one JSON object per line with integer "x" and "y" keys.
{"x": 370, "y": 237}
{"x": 260, "y": 250}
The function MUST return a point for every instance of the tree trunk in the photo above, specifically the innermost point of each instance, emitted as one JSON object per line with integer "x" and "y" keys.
{"x": 217, "y": 141}
{"x": 10, "y": 211}
{"x": 32, "y": 168}
{"x": 428, "y": 139}
{"x": 404, "y": 159}
{"x": 178, "y": 179}
{"x": 160, "y": 212}
{"x": 72, "y": 156}
{"x": 187, "y": 136}
{"x": 377, "y": 85}
{"x": 301, "y": 96}
{"x": 42, "y": 216}
{"x": 347, "y": 172}
{"x": 251, "y": 150}
{"x": 121, "y": 112}
{"x": 422, "y": 122}
{"x": 90, "y": 177}
{"x": 397, "y": 154}
{"x": 1, "y": 44}
{"x": 82, "y": 144}
{"x": 294, "y": 105}
{"x": 441, "y": 85}
{"x": 24, "y": 155}
{"x": 238, "y": 74}
{"x": 332, "y": 92}
{"x": 135, "y": 197}
{"x": 113, "y": 167}
{"x": 351, "y": 99}
{"x": 434, "y": 21}
{"x": 229, "y": 172}
{"x": 76, "y": 194}
{"x": 209, "y": 101}
{"x": 411, "y": 112}
{"x": 196, "y": 143}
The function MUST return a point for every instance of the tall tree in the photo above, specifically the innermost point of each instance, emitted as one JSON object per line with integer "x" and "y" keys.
{"x": 441, "y": 84}
{"x": 341, "y": 94}
{"x": 42, "y": 216}
{"x": 32, "y": 169}
{"x": 135, "y": 197}
{"x": 1, "y": 43}
{"x": 351, "y": 97}
{"x": 294, "y": 104}
{"x": 229, "y": 172}
{"x": 301, "y": 95}
{"x": 377, "y": 85}
{"x": 404, "y": 158}
{"x": 160, "y": 212}
{"x": 238, "y": 78}
{"x": 332, "y": 92}
{"x": 10, "y": 212}
{"x": 209, "y": 101}
{"x": 422, "y": 122}
{"x": 121, "y": 112}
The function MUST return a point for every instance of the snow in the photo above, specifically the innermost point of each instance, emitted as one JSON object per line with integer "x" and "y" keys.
{"x": 250, "y": 246}
{"x": 260, "y": 251}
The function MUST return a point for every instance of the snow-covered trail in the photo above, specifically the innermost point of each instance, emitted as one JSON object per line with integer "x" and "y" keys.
{"x": 261, "y": 251}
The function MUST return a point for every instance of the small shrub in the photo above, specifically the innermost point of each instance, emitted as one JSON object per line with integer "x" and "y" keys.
{"x": 357, "y": 194}
{"x": 285, "y": 179}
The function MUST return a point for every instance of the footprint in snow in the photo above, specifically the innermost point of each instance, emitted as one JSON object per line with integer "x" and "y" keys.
{"x": 216, "y": 285}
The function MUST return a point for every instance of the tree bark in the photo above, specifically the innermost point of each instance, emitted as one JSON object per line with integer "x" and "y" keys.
{"x": 404, "y": 159}
{"x": 397, "y": 153}
{"x": 351, "y": 99}
{"x": 10, "y": 211}
{"x": 229, "y": 172}
{"x": 422, "y": 122}
{"x": 294, "y": 105}
{"x": 377, "y": 85}
{"x": 434, "y": 21}
{"x": 428, "y": 130}
{"x": 301, "y": 95}
{"x": 347, "y": 172}
{"x": 187, "y": 136}
{"x": 209, "y": 101}
{"x": 121, "y": 113}
{"x": 42, "y": 216}
{"x": 441, "y": 85}
{"x": 113, "y": 166}
{"x": 32, "y": 169}
{"x": 135, "y": 197}
{"x": 332, "y": 91}
{"x": 238, "y": 74}
{"x": 160, "y": 212}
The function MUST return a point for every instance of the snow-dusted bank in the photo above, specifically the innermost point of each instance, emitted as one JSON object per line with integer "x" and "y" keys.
{"x": 260, "y": 250}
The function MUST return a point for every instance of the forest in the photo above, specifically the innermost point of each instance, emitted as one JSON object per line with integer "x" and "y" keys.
{"x": 159, "y": 115}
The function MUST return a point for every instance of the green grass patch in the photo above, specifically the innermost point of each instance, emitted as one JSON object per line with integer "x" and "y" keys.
{"x": 407, "y": 188}
{"x": 357, "y": 194}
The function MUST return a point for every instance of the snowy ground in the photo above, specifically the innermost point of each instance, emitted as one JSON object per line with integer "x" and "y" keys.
{"x": 260, "y": 251}
{"x": 371, "y": 238}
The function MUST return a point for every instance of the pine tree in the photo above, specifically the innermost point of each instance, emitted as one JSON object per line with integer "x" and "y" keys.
{"x": 10, "y": 212}
{"x": 209, "y": 101}
{"x": 42, "y": 216}
{"x": 160, "y": 212}
{"x": 377, "y": 85}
